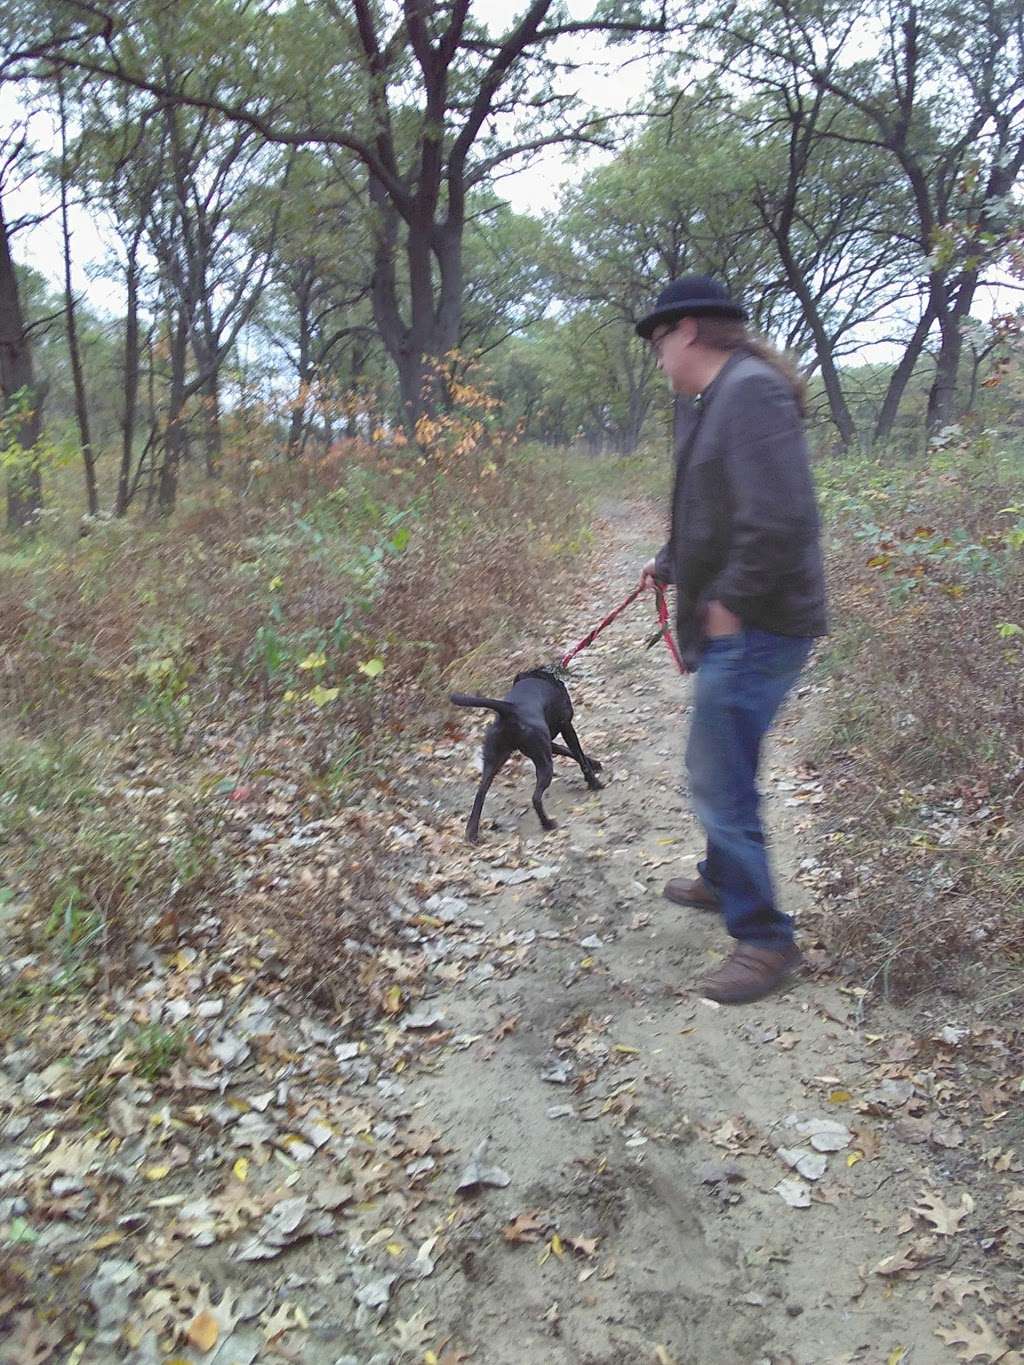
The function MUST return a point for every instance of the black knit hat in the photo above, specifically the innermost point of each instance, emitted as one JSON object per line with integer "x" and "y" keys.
{"x": 690, "y": 296}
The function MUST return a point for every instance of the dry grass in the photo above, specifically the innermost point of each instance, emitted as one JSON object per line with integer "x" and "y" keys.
{"x": 924, "y": 754}
{"x": 150, "y": 668}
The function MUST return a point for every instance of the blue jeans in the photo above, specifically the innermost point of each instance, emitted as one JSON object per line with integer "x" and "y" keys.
{"x": 739, "y": 686}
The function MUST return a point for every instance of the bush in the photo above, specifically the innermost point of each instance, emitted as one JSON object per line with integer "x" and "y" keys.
{"x": 925, "y": 742}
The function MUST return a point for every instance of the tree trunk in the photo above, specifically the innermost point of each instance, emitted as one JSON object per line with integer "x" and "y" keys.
{"x": 77, "y": 375}
{"x": 211, "y": 425}
{"x": 434, "y": 322}
{"x": 298, "y": 418}
{"x": 900, "y": 377}
{"x": 838, "y": 408}
{"x": 18, "y": 387}
{"x": 942, "y": 401}
{"x": 131, "y": 379}
{"x": 175, "y": 435}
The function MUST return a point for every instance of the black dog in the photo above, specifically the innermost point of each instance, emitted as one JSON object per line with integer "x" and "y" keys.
{"x": 536, "y": 709}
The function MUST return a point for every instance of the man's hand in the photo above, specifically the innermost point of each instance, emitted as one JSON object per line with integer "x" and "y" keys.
{"x": 719, "y": 621}
{"x": 648, "y": 576}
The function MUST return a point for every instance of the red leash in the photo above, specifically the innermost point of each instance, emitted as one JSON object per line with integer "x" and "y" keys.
{"x": 664, "y": 630}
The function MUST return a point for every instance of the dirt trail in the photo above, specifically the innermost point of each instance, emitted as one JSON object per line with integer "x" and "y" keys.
{"x": 290, "y": 1189}
{"x": 629, "y": 1112}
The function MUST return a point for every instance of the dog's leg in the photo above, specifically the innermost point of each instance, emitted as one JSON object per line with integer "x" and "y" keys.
{"x": 575, "y": 750}
{"x": 539, "y": 753}
{"x": 493, "y": 764}
{"x": 563, "y": 752}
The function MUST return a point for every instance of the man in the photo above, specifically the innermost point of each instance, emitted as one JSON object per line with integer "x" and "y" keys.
{"x": 745, "y": 557}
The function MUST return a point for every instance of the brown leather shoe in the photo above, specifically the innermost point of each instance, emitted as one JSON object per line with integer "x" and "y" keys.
{"x": 697, "y": 893}
{"x": 749, "y": 973}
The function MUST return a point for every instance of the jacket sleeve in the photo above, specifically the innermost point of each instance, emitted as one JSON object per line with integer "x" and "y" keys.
{"x": 664, "y": 568}
{"x": 772, "y": 503}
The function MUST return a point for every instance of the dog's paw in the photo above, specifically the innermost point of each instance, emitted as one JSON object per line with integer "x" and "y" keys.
{"x": 597, "y": 767}
{"x": 595, "y": 786}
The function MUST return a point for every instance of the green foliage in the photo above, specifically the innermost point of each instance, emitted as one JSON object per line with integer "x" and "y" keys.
{"x": 44, "y": 776}
{"x": 154, "y": 1049}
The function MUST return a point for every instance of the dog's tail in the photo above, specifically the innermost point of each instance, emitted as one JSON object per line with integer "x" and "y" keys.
{"x": 503, "y": 708}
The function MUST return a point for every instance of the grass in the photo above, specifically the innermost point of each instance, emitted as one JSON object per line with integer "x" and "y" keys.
{"x": 151, "y": 671}
{"x": 295, "y": 626}
{"x": 923, "y": 742}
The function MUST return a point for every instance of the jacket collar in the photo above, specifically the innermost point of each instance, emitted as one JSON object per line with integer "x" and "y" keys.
{"x": 702, "y": 399}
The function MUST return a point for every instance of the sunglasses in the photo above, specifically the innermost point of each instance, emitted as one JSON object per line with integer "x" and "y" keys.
{"x": 657, "y": 342}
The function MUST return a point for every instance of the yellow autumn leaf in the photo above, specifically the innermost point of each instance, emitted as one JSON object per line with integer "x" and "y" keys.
{"x": 108, "y": 1239}
{"x": 316, "y": 660}
{"x": 631, "y": 1051}
{"x": 156, "y": 1172}
{"x": 241, "y": 1168}
{"x": 394, "y": 1248}
{"x": 897, "y": 1354}
{"x": 41, "y": 1143}
{"x": 854, "y": 1157}
{"x": 557, "y": 1246}
{"x": 839, "y": 1097}
{"x": 392, "y": 1000}
{"x": 203, "y": 1331}
{"x": 322, "y": 696}
{"x": 430, "y": 1358}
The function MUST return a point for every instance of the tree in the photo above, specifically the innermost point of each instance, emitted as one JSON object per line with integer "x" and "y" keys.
{"x": 940, "y": 94}
{"x": 424, "y": 96}
{"x": 21, "y": 397}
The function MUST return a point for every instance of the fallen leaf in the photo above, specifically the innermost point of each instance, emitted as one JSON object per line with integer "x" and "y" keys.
{"x": 946, "y": 1218}
{"x": 411, "y": 1334}
{"x": 203, "y": 1331}
{"x": 977, "y": 1343}
{"x": 795, "y": 1193}
{"x": 953, "y": 1289}
{"x": 825, "y": 1135}
{"x": 476, "y": 1173}
{"x": 525, "y": 1227}
{"x": 811, "y": 1165}
{"x": 897, "y": 1263}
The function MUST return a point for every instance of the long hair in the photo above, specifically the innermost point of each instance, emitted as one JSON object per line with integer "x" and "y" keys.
{"x": 729, "y": 334}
